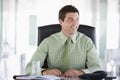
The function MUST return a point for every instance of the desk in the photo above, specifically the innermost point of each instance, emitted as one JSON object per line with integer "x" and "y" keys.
{"x": 25, "y": 77}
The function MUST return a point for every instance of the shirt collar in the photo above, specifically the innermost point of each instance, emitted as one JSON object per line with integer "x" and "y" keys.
{"x": 64, "y": 38}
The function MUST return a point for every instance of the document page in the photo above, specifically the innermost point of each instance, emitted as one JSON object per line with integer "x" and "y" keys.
{"x": 51, "y": 77}
{"x": 46, "y": 77}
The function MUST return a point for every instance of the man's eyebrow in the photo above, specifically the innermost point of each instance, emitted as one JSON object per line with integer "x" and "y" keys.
{"x": 70, "y": 18}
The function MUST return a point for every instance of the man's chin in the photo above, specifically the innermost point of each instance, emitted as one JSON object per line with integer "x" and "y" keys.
{"x": 72, "y": 33}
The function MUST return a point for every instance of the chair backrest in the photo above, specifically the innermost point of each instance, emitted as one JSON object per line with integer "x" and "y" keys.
{"x": 47, "y": 30}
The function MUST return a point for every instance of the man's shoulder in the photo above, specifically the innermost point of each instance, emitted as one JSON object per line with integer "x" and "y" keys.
{"x": 57, "y": 34}
{"x": 53, "y": 36}
{"x": 83, "y": 36}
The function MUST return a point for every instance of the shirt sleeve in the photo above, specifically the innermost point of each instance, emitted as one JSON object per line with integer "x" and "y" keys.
{"x": 39, "y": 55}
{"x": 93, "y": 61}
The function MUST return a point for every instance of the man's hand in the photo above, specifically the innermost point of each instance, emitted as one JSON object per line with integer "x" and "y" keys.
{"x": 55, "y": 72}
{"x": 73, "y": 73}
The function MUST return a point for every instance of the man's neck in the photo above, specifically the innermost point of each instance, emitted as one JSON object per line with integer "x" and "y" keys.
{"x": 68, "y": 35}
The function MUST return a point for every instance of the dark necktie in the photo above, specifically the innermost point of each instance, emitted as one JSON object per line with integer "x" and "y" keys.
{"x": 65, "y": 61}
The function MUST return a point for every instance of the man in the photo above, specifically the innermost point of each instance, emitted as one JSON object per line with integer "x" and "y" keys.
{"x": 82, "y": 51}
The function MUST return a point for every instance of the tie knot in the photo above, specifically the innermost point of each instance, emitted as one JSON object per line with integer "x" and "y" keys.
{"x": 68, "y": 40}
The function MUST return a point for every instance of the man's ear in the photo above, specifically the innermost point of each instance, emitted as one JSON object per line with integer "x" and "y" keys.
{"x": 60, "y": 21}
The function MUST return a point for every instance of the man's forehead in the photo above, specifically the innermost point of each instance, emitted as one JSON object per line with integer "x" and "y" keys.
{"x": 71, "y": 15}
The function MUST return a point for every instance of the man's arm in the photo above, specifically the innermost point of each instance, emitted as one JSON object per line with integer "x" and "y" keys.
{"x": 93, "y": 61}
{"x": 39, "y": 55}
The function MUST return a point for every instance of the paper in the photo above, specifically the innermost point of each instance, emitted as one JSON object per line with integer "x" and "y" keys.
{"x": 51, "y": 77}
{"x": 46, "y": 77}
{"x": 25, "y": 77}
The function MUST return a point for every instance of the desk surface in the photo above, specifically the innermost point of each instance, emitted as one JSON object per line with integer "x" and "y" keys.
{"x": 49, "y": 77}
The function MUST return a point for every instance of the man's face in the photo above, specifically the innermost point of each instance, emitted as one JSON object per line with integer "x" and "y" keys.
{"x": 70, "y": 23}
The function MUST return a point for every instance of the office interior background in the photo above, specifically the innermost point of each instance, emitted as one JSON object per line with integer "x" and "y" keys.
{"x": 19, "y": 20}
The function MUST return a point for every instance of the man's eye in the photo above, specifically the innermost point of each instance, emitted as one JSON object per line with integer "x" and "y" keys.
{"x": 70, "y": 19}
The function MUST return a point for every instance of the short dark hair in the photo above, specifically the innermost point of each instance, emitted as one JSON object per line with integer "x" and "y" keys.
{"x": 66, "y": 9}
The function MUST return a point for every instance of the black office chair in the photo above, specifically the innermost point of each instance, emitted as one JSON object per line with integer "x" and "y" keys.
{"x": 47, "y": 30}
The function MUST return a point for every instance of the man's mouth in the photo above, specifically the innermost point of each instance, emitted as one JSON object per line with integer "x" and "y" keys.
{"x": 74, "y": 27}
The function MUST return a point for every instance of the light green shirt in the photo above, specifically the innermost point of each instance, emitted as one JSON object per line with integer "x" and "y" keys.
{"x": 83, "y": 52}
